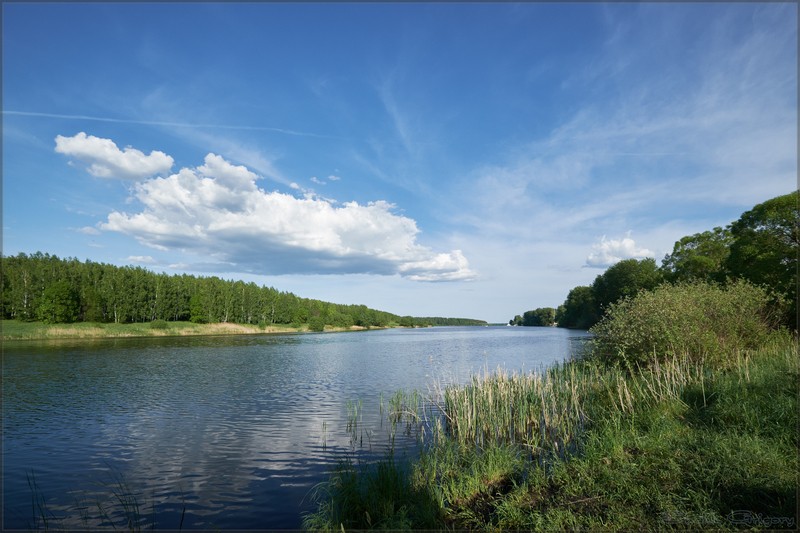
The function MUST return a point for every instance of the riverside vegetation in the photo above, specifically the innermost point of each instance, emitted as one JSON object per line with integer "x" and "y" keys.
{"x": 671, "y": 432}
{"x": 683, "y": 414}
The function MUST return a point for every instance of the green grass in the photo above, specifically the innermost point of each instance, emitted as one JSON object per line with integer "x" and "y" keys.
{"x": 20, "y": 330}
{"x": 680, "y": 444}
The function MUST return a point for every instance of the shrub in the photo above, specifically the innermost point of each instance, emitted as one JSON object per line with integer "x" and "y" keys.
{"x": 699, "y": 320}
{"x": 316, "y": 323}
{"x": 159, "y": 324}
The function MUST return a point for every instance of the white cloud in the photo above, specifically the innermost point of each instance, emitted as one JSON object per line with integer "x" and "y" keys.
{"x": 105, "y": 160}
{"x": 146, "y": 259}
{"x": 333, "y": 178}
{"x": 89, "y": 230}
{"x": 217, "y": 211}
{"x": 316, "y": 180}
{"x": 608, "y": 252}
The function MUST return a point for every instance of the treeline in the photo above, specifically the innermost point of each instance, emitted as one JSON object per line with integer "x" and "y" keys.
{"x": 53, "y": 290}
{"x": 542, "y": 316}
{"x": 441, "y": 321}
{"x": 761, "y": 247}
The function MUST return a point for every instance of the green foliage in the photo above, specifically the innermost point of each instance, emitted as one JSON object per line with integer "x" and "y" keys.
{"x": 579, "y": 310}
{"x": 699, "y": 257}
{"x": 58, "y": 304}
{"x": 92, "y": 305}
{"x": 382, "y": 497}
{"x": 584, "y": 305}
{"x": 766, "y": 247}
{"x": 624, "y": 279}
{"x": 443, "y": 321}
{"x": 407, "y": 321}
{"x": 699, "y": 320}
{"x": 316, "y": 323}
{"x": 159, "y": 324}
{"x": 341, "y": 320}
{"x": 198, "y": 309}
{"x": 542, "y": 316}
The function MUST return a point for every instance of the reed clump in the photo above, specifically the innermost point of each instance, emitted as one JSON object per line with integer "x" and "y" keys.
{"x": 543, "y": 412}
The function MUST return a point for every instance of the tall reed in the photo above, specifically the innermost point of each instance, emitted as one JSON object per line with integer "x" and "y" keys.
{"x": 542, "y": 412}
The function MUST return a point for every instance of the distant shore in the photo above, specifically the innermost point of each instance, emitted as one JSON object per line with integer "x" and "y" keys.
{"x": 11, "y": 330}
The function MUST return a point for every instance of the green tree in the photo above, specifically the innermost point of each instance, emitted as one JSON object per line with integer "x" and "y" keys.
{"x": 407, "y": 321}
{"x": 342, "y": 320}
{"x": 59, "y": 303}
{"x": 92, "y": 309}
{"x": 579, "y": 310}
{"x": 765, "y": 248}
{"x": 624, "y": 279}
{"x": 198, "y": 308}
{"x": 21, "y": 288}
{"x": 542, "y": 316}
{"x": 699, "y": 257}
{"x": 315, "y": 323}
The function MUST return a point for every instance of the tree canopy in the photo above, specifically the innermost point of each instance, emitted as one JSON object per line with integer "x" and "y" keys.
{"x": 624, "y": 279}
{"x": 766, "y": 243}
{"x": 579, "y": 310}
{"x": 699, "y": 257}
{"x": 542, "y": 316}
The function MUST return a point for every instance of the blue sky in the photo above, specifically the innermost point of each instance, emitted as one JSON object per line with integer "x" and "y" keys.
{"x": 472, "y": 160}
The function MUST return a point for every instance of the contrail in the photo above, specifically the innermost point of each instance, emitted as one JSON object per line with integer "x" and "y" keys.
{"x": 170, "y": 124}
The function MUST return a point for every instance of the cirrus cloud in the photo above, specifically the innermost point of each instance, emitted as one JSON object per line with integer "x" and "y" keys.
{"x": 106, "y": 160}
{"x": 216, "y": 211}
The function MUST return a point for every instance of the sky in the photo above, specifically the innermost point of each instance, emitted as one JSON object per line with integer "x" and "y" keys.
{"x": 465, "y": 160}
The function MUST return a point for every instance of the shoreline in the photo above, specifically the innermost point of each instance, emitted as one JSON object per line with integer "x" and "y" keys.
{"x": 13, "y": 330}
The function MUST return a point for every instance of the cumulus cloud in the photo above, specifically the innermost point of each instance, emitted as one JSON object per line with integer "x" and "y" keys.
{"x": 105, "y": 160}
{"x": 610, "y": 251}
{"x": 217, "y": 211}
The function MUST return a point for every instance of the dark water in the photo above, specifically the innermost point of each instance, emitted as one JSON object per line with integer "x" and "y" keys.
{"x": 218, "y": 432}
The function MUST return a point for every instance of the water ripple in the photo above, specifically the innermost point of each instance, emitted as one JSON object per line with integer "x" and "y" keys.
{"x": 224, "y": 432}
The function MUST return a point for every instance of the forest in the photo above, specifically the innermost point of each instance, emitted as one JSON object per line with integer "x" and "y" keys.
{"x": 761, "y": 248}
{"x": 43, "y": 287}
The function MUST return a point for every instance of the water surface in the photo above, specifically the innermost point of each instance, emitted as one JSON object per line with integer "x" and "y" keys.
{"x": 224, "y": 432}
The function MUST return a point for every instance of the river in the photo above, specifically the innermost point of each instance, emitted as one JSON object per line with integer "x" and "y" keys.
{"x": 227, "y": 432}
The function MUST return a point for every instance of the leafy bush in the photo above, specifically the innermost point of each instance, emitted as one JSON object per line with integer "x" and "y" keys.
{"x": 159, "y": 324}
{"x": 699, "y": 320}
{"x": 316, "y": 323}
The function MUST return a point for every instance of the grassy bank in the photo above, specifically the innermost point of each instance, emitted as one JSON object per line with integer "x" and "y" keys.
{"x": 680, "y": 444}
{"x": 19, "y": 330}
